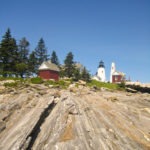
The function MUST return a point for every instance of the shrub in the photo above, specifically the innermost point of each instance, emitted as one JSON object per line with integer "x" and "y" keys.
{"x": 122, "y": 85}
{"x": 11, "y": 84}
{"x": 36, "y": 80}
{"x": 61, "y": 83}
{"x": 50, "y": 82}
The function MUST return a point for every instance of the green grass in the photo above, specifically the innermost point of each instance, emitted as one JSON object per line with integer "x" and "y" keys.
{"x": 12, "y": 84}
{"x": 16, "y": 83}
{"x": 36, "y": 80}
{"x": 60, "y": 83}
{"x": 103, "y": 84}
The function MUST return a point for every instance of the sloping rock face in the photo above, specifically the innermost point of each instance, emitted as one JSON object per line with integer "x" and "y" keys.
{"x": 42, "y": 118}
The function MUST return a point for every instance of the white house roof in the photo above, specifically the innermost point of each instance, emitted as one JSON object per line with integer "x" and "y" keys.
{"x": 48, "y": 65}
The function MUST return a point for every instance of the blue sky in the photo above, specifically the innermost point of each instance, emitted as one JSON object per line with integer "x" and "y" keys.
{"x": 94, "y": 30}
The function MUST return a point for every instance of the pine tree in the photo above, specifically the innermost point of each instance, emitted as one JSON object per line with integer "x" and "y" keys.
{"x": 69, "y": 65}
{"x": 85, "y": 75}
{"x": 23, "y": 48}
{"x": 41, "y": 52}
{"x": 32, "y": 65}
{"x": 54, "y": 58}
{"x": 77, "y": 74}
{"x": 21, "y": 69}
{"x": 8, "y": 53}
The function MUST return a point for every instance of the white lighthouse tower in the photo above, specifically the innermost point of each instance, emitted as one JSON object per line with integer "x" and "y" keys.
{"x": 101, "y": 72}
{"x": 113, "y": 69}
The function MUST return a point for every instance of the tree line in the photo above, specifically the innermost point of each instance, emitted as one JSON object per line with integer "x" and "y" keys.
{"x": 17, "y": 60}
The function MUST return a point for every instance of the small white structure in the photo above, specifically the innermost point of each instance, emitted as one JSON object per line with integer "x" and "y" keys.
{"x": 113, "y": 70}
{"x": 100, "y": 75}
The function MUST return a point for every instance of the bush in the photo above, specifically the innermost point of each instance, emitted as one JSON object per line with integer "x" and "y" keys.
{"x": 61, "y": 83}
{"x": 50, "y": 82}
{"x": 2, "y": 78}
{"x": 11, "y": 84}
{"x": 36, "y": 80}
{"x": 122, "y": 85}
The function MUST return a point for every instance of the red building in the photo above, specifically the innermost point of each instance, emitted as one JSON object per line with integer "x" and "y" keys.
{"x": 118, "y": 77}
{"x": 48, "y": 70}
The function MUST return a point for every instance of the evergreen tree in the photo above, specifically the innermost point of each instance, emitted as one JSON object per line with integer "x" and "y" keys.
{"x": 21, "y": 69}
{"x": 85, "y": 75}
{"x": 69, "y": 65}
{"x": 54, "y": 58}
{"x": 22, "y": 66}
{"x": 41, "y": 52}
{"x": 32, "y": 65}
{"x": 8, "y": 53}
{"x": 77, "y": 74}
{"x": 23, "y": 50}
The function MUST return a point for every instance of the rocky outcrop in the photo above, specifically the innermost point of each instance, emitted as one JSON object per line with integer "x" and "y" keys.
{"x": 45, "y": 118}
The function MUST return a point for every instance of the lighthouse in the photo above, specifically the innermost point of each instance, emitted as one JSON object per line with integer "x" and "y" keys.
{"x": 101, "y": 72}
{"x": 113, "y": 69}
